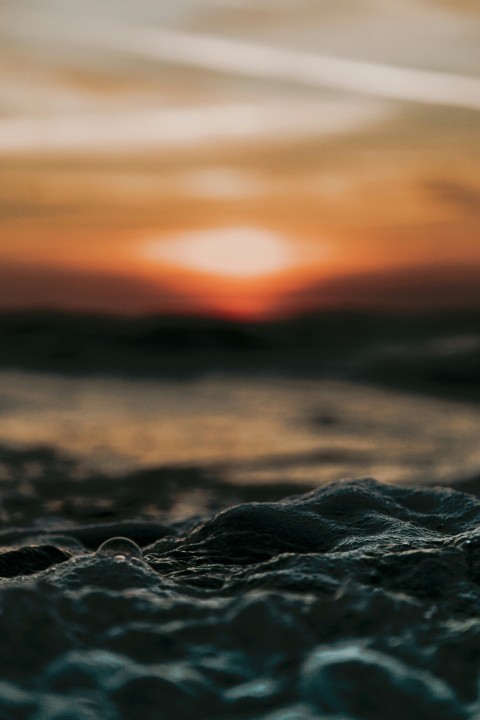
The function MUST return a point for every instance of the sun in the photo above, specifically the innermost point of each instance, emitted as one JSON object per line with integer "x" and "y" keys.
{"x": 228, "y": 252}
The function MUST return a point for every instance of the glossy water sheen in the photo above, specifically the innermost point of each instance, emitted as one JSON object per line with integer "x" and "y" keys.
{"x": 255, "y": 430}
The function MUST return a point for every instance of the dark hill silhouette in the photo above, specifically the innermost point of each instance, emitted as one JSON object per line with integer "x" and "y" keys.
{"x": 429, "y": 352}
{"x": 31, "y": 287}
{"x": 416, "y": 328}
{"x": 406, "y": 289}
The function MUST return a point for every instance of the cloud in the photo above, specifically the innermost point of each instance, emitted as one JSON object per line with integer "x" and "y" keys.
{"x": 460, "y": 195}
{"x": 172, "y": 128}
{"x": 255, "y": 60}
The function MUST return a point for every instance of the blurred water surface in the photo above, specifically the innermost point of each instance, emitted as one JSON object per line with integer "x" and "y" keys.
{"x": 252, "y": 430}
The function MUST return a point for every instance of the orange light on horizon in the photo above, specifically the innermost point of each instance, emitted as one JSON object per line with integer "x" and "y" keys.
{"x": 233, "y": 270}
{"x": 225, "y": 252}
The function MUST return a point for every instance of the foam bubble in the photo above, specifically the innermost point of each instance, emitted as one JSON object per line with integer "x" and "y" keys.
{"x": 120, "y": 549}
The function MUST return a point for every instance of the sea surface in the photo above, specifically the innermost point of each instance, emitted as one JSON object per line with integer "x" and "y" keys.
{"x": 190, "y": 549}
{"x": 358, "y": 600}
{"x": 175, "y": 550}
{"x": 259, "y": 430}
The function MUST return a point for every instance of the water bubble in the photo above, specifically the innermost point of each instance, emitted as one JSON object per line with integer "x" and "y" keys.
{"x": 120, "y": 549}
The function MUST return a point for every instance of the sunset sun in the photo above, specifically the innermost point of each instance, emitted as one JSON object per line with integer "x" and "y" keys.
{"x": 235, "y": 252}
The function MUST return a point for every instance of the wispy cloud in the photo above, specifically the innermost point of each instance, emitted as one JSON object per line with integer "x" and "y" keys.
{"x": 136, "y": 129}
{"x": 255, "y": 60}
{"x": 179, "y": 127}
{"x": 310, "y": 69}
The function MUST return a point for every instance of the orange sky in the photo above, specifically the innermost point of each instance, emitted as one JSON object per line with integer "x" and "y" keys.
{"x": 106, "y": 149}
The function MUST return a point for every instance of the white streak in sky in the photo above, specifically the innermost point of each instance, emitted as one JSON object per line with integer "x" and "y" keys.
{"x": 172, "y": 128}
{"x": 310, "y": 69}
{"x": 259, "y": 61}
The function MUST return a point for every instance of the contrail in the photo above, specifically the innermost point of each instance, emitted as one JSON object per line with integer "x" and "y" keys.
{"x": 182, "y": 126}
{"x": 302, "y": 68}
{"x": 264, "y": 62}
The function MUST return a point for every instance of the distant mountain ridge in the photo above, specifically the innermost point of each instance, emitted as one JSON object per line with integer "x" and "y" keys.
{"x": 408, "y": 289}
{"x": 437, "y": 352}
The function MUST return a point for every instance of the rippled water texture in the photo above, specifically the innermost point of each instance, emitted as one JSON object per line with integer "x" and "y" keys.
{"x": 356, "y": 601}
{"x": 254, "y": 430}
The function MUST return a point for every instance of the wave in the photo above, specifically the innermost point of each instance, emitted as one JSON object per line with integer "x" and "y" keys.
{"x": 358, "y": 600}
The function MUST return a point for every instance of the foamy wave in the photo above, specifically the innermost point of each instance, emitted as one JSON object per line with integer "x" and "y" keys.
{"x": 358, "y": 600}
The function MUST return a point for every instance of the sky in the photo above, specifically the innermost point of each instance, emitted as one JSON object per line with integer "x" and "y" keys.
{"x": 236, "y": 156}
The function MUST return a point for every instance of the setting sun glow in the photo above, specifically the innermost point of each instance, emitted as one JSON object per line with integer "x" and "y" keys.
{"x": 234, "y": 252}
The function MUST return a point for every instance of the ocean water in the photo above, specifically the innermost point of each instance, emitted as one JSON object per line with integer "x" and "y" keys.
{"x": 176, "y": 550}
{"x": 249, "y": 430}
{"x": 358, "y": 600}
{"x": 162, "y": 556}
